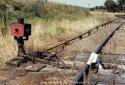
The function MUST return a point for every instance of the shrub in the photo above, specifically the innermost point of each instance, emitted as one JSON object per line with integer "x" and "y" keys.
{"x": 60, "y": 30}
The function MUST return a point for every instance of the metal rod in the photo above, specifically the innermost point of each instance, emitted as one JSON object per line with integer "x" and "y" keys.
{"x": 79, "y": 79}
{"x": 100, "y": 47}
{"x": 89, "y": 31}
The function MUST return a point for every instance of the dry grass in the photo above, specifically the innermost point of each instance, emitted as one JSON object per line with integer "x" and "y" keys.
{"x": 8, "y": 49}
{"x": 46, "y": 34}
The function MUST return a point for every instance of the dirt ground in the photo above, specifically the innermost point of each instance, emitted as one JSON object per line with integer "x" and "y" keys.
{"x": 11, "y": 76}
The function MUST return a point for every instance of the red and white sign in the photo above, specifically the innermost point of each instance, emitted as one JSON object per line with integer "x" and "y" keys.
{"x": 17, "y": 30}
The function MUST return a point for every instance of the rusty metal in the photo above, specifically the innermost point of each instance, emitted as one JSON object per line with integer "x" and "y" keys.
{"x": 100, "y": 47}
{"x": 79, "y": 79}
{"x": 81, "y": 36}
{"x": 16, "y": 31}
{"x": 46, "y": 56}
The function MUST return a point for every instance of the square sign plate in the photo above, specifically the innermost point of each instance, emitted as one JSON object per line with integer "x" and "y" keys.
{"x": 17, "y": 30}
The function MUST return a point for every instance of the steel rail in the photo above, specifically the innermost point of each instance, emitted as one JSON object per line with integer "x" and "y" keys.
{"x": 84, "y": 71}
{"x": 80, "y": 36}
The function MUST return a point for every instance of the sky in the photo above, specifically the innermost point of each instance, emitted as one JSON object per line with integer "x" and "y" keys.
{"x": 83, "y": 3}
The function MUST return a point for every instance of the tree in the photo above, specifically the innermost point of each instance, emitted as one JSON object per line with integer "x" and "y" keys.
{"x": 120, "y": 4}
{"x": 46, "y": 1}
{"x": 111, "y": 5}
{"x": 37, "y": 8}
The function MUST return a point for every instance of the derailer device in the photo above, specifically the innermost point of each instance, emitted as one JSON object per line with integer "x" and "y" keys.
{"x": 21, "y": 32}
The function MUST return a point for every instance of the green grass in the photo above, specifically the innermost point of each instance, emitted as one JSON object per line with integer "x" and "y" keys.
{"x": 60, "y": 30}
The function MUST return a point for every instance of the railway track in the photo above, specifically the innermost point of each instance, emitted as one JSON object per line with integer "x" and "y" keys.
{"x": 60, "y": 72}
{"x": 41, "y": 56}
{"x": 81, "y": 36}
{"x": 85, "y": 70}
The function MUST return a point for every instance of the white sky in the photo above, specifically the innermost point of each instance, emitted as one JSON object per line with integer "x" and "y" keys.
{"x": 83, "y": 3}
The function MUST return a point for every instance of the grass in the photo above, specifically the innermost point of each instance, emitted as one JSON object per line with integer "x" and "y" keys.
{"x": 46, "y": 34}
{"x": 49, "y": 33}
{"x": 59, "y": 23}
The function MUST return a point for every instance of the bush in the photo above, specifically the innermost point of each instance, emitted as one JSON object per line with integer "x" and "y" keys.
{"x": 45, "y": 11}
{"x": 60, "y": 30}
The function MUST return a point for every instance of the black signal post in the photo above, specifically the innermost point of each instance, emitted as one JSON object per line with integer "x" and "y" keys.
{"x": 21, "y": 32}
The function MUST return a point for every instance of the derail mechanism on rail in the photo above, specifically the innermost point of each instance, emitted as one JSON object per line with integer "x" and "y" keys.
{"x": 21, "y": 32}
